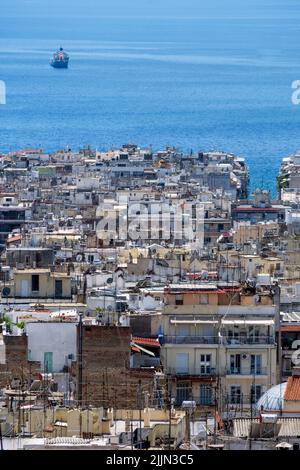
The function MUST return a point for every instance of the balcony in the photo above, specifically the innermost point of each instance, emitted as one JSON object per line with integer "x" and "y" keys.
{"x": 247, "y": 371}
{"x": 241, "y": 340}
{"x": 224, "y": 340}
{"x": 191, "y": 339}
{"x": 192, "y": 372}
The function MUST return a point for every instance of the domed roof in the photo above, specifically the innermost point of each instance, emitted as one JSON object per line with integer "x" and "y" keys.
{"x": 273, "y": 398}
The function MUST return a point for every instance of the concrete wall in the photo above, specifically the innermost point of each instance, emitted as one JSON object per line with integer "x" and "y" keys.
{"x": 46, "y": 284}
{"x": 58, "y": 338}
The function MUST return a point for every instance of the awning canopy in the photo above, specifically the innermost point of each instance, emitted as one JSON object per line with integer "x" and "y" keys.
{"x": 248, "y": 322}
{"x": 193, "y": 322}
{"x": 290, "y": 328}
{"x": 140, "y": 348}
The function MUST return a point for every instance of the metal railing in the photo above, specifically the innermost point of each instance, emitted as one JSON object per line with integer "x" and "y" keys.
{"x": 192, "y": 371}
{"x": 247, "y": 371}
{"x": 237, "y": 340}
{"x": 224, "y": 340}
{"x": 191, "y": 339}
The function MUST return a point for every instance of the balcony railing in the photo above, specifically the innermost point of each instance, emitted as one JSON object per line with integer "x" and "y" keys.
{"x": 191, "y": 339}
{"x": 240, "y": 401}
{"x": 261, "y": 339}
{"x": 247, "y": 371}
{"x": 192, "y": 371}
{"x": 225, "y": 340}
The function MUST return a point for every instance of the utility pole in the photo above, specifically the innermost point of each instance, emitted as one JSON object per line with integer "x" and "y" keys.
{"x": 170, "y": 418}
{"x": 80, "y": 333}
{"x": 252, "y": 397}
{"x": 1, "y": 441}
{"x": 140, "y": 415}
{"x": 206, "y": 434}
{"x": 251, "y": 412}
{"x": 215, "y": 421}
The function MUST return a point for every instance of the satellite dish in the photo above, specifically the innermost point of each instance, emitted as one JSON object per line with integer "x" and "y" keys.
{"x": 109, "y": 280}
{"x": 79, "y": 258}
{"x": 5, "y": 292}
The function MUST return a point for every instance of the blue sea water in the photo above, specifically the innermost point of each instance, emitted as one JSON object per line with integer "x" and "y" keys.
{"x": 216, "y": 80}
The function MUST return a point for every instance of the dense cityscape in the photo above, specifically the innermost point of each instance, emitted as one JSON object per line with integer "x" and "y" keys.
{"x": 148, "y": 300}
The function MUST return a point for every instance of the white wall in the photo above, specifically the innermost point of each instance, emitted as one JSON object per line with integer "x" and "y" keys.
{"x": 56, "y": 337}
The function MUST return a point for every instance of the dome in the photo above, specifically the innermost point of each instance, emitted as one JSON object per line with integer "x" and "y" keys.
{"x": 273, "y": 398}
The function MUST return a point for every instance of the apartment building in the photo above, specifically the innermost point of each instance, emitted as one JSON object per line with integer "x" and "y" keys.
{"x": 218, "y": 339}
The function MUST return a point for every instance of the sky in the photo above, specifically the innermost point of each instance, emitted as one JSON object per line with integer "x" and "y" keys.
{"x": 147, "y": 8}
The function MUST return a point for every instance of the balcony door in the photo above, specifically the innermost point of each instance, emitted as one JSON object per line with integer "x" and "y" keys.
{"x": 24, "y": 288}
{"x": 256, "y": 364}
{"x": 254, "y": 334}
{"x": 235, "y": 394}
{"x": 183, "y": 330}
{"x": 48, "y": 362}
{"x": 58, "y": 288}
{"x": 182, "y": 363}
{"x": 206, "y": 396}
{"x": 256, "y": 392}
{"x": 205, "y": 364}
{"x": 183, "y": 393}
{"x": 235, "y": 364}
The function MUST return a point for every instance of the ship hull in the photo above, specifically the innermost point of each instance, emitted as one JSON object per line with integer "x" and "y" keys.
{"x": 60, "y": 64}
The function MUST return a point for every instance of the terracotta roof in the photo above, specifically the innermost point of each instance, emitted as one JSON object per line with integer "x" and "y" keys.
{"x": 146, "y": 341}
{"x": 14, "y": 239}
{"x": 288, "y": 328}
{"x": 292, "y": 392}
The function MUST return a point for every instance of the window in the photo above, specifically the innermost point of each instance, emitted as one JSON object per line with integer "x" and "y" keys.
{"x": 253, "y": 334}
{"x": 235, "y": 364}
{"x": 203, "y": 299}
{"x": 206, "y": 395}
{"x": 35, "y": 283}
{"x": 205, "y": 366}
{"x": 256, "y": 392}
{"x": 179, "y": 299}
{"x": 183, "y": 330}
{"x": 256, "y": 364}
{"x": 235, "y": 394}
{"x": 182, "y": 363}
{"x": 183, "y": 393}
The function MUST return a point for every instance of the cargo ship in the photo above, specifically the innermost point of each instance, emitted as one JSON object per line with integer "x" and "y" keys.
{"x": 60, "y": 59}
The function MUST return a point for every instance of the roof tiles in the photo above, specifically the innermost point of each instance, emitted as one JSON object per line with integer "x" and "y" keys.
{"x": 292, "y": 392}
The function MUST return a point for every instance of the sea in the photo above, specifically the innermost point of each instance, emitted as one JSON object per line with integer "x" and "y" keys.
{"x": 199, "y": 80}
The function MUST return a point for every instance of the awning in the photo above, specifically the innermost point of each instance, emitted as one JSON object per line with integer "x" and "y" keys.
{"x": 152, "y": 342}
{"x": 248, "y": 322}
{"x": 290, "y": 328}
{"x": 194, "y": 322}
{"x": 150, "y": 353}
